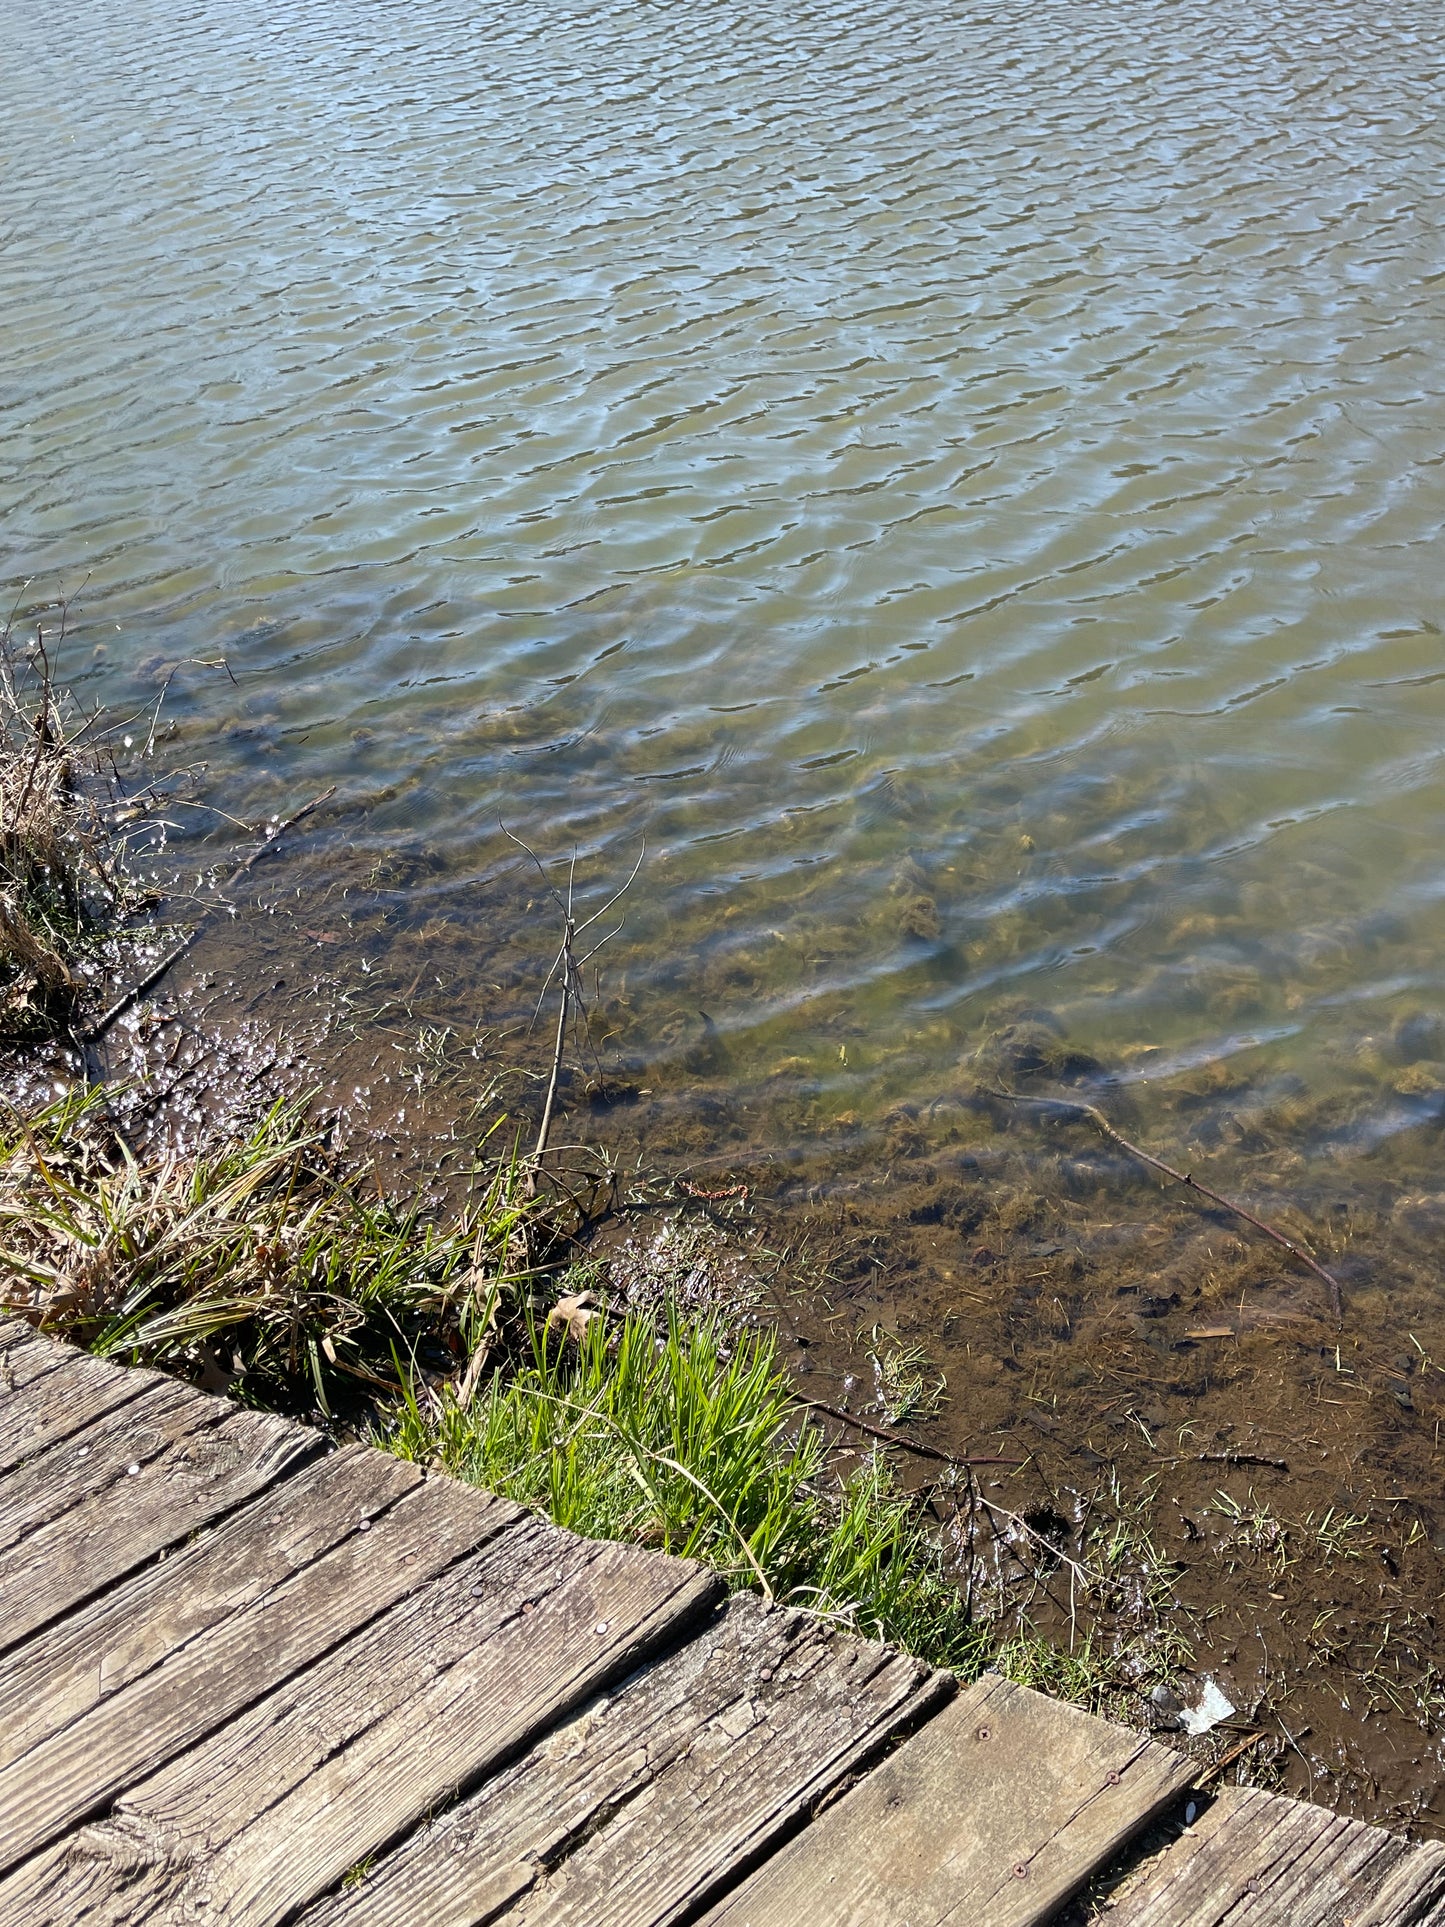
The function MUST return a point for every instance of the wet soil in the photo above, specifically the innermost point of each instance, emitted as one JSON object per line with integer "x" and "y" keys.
{"x": 1210, "y": 1478}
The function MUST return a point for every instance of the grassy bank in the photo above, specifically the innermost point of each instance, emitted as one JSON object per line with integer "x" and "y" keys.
{"x": 260, "y": 1267}
{"x": 258, "y": 1264}
{"x": 254, "y": 1259}
{"x": 263, "y": 1267}
{"x": 687, "y": 1436}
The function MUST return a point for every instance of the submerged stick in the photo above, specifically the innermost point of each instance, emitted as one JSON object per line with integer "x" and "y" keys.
{"x": 147, "y": 984}
{"x": 573, "y": 987}
{"x": 897, "y": 1438}
{"x": 1190, "y": 1183}
{"x": 1228, "y": 1759}
{"x": 1241, "y": 1458}
{"x": 133, "y": 996}
{"x": 280, "y": 830}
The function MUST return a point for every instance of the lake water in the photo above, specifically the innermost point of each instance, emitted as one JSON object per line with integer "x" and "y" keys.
{"x": 962, "y": 485}
{"x": 962, "y": 481}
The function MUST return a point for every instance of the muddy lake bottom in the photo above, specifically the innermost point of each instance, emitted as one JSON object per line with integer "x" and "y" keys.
{"x": 1204, "y": 1477}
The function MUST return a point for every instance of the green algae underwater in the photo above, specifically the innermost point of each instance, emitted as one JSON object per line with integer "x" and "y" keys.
{"x": 1206, "y": 1476}
{"x": 1189, "y": 1469}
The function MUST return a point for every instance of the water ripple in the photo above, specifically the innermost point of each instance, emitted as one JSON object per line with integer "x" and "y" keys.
{"x": 834, "y": 437}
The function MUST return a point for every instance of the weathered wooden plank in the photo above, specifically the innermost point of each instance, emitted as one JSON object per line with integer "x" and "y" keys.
{"x": 115, "y": 1640}
{"x": 24, "y": 1356}
{"x": 1257, "y": 1860}
{"x": 670, "y": 1785}
{"x": 996, "y": 1811}
{"x": 78, "y": 1771}
{"x": 116, "y": 1447}
{"x": 1413, "y": 1892}
{"x": 160, "y": 1502}
{"x": 275, "y": 1807}
{"x": 49, "y": 1392}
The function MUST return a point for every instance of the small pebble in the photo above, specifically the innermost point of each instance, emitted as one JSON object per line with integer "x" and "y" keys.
{"x": 600, "y": 1627}
{"x": 132, "y": 1471}
{"x": 364, "y": 1525}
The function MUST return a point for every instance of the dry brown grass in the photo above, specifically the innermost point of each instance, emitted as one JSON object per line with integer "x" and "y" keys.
{"x": 257, "y": 1261}
{"x": 64, "y": 880}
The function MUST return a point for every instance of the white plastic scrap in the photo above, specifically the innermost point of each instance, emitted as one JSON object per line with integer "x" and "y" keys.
{"x": 1211, "y": 1707}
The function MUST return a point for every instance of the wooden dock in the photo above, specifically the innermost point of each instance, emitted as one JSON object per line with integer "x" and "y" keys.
{"x": 252, "y": 1680}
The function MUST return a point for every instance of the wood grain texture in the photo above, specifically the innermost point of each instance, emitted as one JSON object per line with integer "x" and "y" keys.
{"x": 24, "y": 1356}
{"x": 1258, "y": 1860}
{"x": 994, "y": 1813}
{"x": 654, "y": 1797}
{"x": 49, "y": 1392}
{"x": 58, "y": 1483}
{"x": 213, "y": 1466}
{"x": 276, "y": 1807}
{"x": 114, "y": 1641}
{"x": 77, "y": 1772}
{"x": 1413, "y": 1892}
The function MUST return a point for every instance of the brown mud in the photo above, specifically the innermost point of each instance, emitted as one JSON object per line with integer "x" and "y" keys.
{"x": 1214, "y": 1481}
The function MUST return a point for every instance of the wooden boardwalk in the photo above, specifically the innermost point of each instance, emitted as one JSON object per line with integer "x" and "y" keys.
{"x": 247, "y": 1679}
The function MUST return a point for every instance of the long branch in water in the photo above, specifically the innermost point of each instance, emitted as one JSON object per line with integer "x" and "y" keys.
{"x": 1187, "y": 1178}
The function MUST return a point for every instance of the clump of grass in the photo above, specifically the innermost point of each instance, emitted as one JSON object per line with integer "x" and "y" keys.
{"x": 907, "y": 1387}
{"x": 64, "y": 880}
{"x": 256, "y": 1264}
{"x": 688, "y": 1438}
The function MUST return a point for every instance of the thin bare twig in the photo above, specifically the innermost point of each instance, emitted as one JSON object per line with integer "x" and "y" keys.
{"x": 1187, "y": 1178}
{"x": 1222, "y": 1764}
{"x": 573, "y": 988}
{"x": 897, "y": 1438}
{"x": 539, "y": 1150}
{"x": 89, "y": 1038}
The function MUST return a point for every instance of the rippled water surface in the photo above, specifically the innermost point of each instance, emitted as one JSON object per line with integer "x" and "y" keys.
{"x": 964, "y": 481}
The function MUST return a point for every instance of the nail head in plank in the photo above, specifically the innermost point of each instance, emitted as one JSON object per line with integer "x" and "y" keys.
{"x": 159, "y": 1503}
{"x": 278, "y": 1805}
{"x": 106, "y": 1646}
{"x": 670, "y": 1785}
{"x": 1257, "y": 1859}
{"x": 80, "y": 1770}
{"x": 996, "y": 1811}
{"x": 47, "y": 1403}
{"x": 116, "y": 1447}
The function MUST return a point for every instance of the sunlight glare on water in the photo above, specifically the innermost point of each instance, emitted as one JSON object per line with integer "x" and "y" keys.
{"x": 964, "y": 480}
